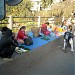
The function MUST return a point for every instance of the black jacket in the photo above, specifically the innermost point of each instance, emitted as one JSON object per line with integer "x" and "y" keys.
{"x": 6, "y": 42}
{"x": 68, "y": 36}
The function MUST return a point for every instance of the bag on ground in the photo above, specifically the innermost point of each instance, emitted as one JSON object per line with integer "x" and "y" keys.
{"x": 28, "y": 41}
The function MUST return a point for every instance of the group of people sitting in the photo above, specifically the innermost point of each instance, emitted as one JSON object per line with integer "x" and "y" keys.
{"x": 68, "y": 33}
{"x": 8, "y": 41}
{"x": 51, "y": 30}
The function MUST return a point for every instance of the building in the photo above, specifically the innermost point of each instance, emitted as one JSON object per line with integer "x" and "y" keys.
{"x": 57, "y": 1}
{"x": 36, "y": 5}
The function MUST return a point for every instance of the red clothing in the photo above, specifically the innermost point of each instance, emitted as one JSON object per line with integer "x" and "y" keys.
{"x": 44, "y": 29}
{"x": 21, "y": 34}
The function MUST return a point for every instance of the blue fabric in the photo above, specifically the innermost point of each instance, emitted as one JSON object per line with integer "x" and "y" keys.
{"x": 37, "y": 42}
{"x": 52, "y": 34}
{"x": 30, "y": 34}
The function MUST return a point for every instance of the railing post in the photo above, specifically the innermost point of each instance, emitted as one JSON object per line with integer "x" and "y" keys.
{"x": 10, "y": 21}
{"x": 38, "y": 21}
{"x": 63, "y": 18}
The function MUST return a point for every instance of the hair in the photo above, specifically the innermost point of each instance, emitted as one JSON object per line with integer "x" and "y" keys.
{"x": 70, "y": 27}
{"x": 23, "y": 27}
{"x": 9, "y": 33}
{"x": 47, "y": 23}
{"x": 50, "y": 26}
{"x": 6, "y": 31}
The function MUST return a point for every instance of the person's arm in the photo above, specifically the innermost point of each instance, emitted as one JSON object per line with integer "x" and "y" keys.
{"x": 21, "y": 34}
{"x": 72, "y": 35}
{"x": 64, "y": 35}
{"x": 12, "y": 41}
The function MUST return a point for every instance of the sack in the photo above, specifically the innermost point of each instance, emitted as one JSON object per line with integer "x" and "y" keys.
{"x": 35, "y": 31}
{"x": 28, "y": 41}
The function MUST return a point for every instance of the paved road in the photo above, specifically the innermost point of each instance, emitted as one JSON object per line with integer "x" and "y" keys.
{"x": 48, "y": 59}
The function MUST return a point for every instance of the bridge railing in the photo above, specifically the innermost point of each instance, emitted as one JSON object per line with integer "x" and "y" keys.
{"x": 17, "y": 22}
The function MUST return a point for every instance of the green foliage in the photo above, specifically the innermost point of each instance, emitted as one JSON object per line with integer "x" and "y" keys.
{"x": 62, "y": 9}
{"x": 21, "y": 10}
{"x": 28, "y": 25}
{"x": 4, "y": 21}
{"x": 46, "y": 3}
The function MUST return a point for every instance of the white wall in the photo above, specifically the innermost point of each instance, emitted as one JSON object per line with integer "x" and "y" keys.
{"x": 57, "y": 1}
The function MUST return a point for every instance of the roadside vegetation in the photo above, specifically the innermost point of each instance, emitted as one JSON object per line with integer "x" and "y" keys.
{"x": 64, "y": 8}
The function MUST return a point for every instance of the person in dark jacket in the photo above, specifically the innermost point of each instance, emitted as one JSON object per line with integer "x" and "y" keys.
{"x": 68, "y": 39}
{"x": 7, "y": 44}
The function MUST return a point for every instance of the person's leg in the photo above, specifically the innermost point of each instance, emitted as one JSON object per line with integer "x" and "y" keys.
{"x": 6, "y": 55}
{"x": 72, "y": 47}
{"x": 71, "y": 43}
{"x": 3, "y": 54}
{"x": 64, "y": 44}
{"x": 10, "y": 51}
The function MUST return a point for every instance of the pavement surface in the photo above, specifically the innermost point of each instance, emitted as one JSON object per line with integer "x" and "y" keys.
{"x": 49, "y": 59}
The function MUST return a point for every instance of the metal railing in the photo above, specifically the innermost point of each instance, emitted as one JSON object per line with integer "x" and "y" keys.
{"x": 20, "y": 20}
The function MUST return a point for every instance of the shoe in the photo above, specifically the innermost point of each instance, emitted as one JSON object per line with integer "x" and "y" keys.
{"x": 63, "y": 48}
{"x": 72, "y": 50}
{"x": 17, "y": 48}
{"x": 7, "y": 59}
{"x": 23, "y": 50}
{"x": 19, "y": 51}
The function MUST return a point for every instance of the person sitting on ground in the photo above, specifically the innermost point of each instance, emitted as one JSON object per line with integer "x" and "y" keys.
{"x": 44, "y": 29}
{"x": 49, "y": 27}
{"x": 22, "y": 38}
{"x": 68, "y": 39}
{"x": 7, "y": 44}
{"x": 21, "y": 35}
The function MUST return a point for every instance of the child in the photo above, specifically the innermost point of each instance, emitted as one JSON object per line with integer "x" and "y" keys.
{"x": 22, "y": 38}
{"x": 21, "y": 35}
{"x": 68, "y": 39}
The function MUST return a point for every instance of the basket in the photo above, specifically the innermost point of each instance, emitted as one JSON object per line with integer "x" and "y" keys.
{"x": 35, "y": 31}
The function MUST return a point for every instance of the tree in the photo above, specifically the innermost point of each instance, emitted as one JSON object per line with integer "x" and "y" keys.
{"x": 46, "y": 3}
{"x": 22, "y": 9}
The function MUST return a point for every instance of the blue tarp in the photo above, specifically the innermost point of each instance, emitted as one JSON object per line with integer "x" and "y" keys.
{"x": 37, "y": 42}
